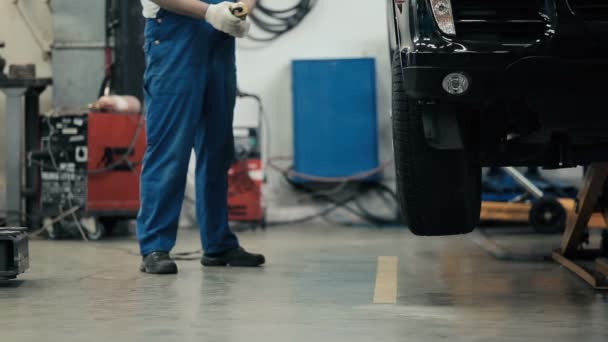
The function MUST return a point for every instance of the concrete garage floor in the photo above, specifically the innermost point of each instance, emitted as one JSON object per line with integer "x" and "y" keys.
{"x": 318, "y": 286}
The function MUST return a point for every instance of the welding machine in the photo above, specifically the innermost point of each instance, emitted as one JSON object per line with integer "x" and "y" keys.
{"x": 14, "y": 254}
{"x": 90, "y": 163}
{"x": 245, "y": 179}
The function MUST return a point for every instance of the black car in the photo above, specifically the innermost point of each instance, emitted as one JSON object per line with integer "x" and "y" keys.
{"x": 492, "y": 83}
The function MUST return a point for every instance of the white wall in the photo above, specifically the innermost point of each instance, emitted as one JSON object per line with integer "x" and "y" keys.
{"x": 22, "y": 48}
{"x": 335, "y": 29}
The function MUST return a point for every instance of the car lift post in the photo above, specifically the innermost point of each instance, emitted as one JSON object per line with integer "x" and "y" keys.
{"x": 589, "y": 264}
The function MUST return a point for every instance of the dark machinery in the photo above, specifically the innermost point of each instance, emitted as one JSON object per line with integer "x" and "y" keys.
{"x": 547, "y": 215}
{"x": 125, "y": 27}
{"x": 22, "y": 90}
{"x": 2, "y": 63}
{"x": 14, "y": 253}
{"x": 246, "y": 175}
{"x": 245, "y": 179}
{"x": 90, "y": 164}
{"x": 63, "y": 171}
{"x": 513, "y": 196}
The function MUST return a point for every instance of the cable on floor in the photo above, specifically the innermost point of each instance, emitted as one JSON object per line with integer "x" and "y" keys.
{"x": 177, "y": 256}
{"x": 291, "y": 174}
{"x": 356, "y": 197}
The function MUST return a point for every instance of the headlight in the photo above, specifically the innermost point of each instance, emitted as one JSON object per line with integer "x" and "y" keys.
{"x": 442, "y": 10}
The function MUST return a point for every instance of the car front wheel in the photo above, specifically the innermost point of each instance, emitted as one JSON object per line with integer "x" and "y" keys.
{"x": 439, "y": 190}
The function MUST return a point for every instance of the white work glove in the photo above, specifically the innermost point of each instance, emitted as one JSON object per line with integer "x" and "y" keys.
{"x": 243, "y": 28}
{"x": 222, "y": 19}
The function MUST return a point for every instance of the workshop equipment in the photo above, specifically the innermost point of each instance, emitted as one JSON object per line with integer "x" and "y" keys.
{"x": 336, "y": 135}
{"x": 589, "y": 264}
{"x": 2, "y": 63}
{"x": 245, "y": 179}
{"x": 545, "y": 213}
{"x": 91, "y": 161}
{"x": 116, "y": 145}
{"x": 63, "y": 163}
{"x": 14, "y": 252}
{"x": 22, "y": 72}
{"x": 520, "y": 212}
{"x": 22, "y": 118}
{"x": 246, "y": 175}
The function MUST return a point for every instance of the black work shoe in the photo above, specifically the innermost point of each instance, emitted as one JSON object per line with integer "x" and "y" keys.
{"x": 236, "y": 258}
{"x": 158, "y": 263}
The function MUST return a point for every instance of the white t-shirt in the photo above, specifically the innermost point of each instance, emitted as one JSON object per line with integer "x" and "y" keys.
{"x": 150, "y": 8}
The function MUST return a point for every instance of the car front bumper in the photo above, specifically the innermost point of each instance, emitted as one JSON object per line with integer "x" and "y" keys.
{"x": 570, "y": 56}
{"x": 530, "y": 76}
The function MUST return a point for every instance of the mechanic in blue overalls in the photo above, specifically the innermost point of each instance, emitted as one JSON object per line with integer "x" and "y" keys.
{"x": 190, "y": 93}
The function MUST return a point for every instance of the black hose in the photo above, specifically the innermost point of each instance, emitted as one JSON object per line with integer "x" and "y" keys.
{"x": 277, "y": 22}
{"x": 360, "y": 209}
{"x": 380, "y": 189}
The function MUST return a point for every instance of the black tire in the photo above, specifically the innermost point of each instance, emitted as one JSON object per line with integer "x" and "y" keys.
{"x": 115, "y": 226}
{"x": 110, "y": 224}
{"x": 548, "y": 216}
{"x": 439, "y": 190}
{"x": 95, "y": 231}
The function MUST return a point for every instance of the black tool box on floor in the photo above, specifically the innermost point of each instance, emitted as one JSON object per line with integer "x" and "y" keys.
{"x": 14, "y": 253}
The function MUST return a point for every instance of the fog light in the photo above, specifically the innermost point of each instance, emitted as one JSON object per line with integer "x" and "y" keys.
{"x": 442, "y": 10}
{"x": 456, "y": 83}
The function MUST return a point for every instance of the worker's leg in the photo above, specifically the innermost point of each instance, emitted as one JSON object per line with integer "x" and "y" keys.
{"x": 214, "y": 146}
{"x": 174, "y": 88}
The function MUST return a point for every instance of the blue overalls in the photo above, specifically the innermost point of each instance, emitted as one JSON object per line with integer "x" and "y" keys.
{"x": 190, "y": 93}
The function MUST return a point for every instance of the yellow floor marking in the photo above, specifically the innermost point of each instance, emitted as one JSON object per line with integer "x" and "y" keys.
{"x": 386, "y": 280}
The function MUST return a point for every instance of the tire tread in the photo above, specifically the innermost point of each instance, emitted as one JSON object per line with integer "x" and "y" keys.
{"x": 439, "y": 190}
